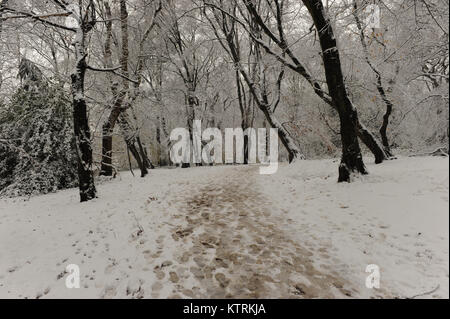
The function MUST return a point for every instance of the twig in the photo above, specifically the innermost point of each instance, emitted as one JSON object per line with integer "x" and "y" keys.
{"x": 441, "y": 151}
{"x": 426, "y": 293}
{"x": 113, "y": 71}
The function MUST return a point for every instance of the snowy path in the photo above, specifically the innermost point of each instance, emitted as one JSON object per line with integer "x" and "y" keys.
{"x": 238, "y": 247}
{"x": 229, "y": 232}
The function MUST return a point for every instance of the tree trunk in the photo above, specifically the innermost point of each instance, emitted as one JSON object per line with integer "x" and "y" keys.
{"x": 165, "y": 159}
{"x": 190, "y": 109}
{"x": 124, "y": 97}
{"x": 81, "y": 123}
{"x": 352, "y": 161}
{"x": 3, "y": 4}
{"x": 283, "y": 134}
{"x": 144, "y": 155}
{"x": 379, "y": 84}
{"x": 134, "y": 151}
{"x": 244, "y": 107}
{"x": 386, "y": 118}
{"x": 158, "y": 140}
{"x": 107, "y": 146}
{"x": 107, "y": 135}
{"x": 366, "y": 137}
{"x": 372, "y": 143}
{"x": 160, "y": 119}
{"x": 108, "y": 127}
{"x": 132, "y": 141}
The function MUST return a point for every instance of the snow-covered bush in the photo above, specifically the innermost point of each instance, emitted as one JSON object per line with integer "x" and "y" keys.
{"x": 36, "y": 138}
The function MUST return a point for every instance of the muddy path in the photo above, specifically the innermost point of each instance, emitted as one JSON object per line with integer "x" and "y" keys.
{"x": 231, "y": 247}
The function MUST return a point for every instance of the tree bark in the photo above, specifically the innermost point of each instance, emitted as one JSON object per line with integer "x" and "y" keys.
{"x": 365, "y": 135}
{"x": 107, "y": 146}
{"x": 3, "y": 4}
{"x": 107, "y": 135}
{"x": 191, "y": 103}
{"x": 132, "y": 141}
{"x": 372, "y": 143}
{"x": 227, "y": 25}
{"x": 144, "y": 155}
{"x": 108, "y": 126}
{"x": 81, "y": 122}
{"x": 244, "y": 108}
{"x": 352, "y": 161}
{"x": 125, "y": 97}
{"x": 386, "y": 118}
{"x": 379, "y": 85}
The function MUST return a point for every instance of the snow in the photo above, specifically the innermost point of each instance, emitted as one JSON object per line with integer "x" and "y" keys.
{"x": 215, "y": 232}
{"x": 396, "y": 218}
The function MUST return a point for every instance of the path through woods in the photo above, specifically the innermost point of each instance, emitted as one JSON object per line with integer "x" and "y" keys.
{"x": 216, "y": 232}
{"x": 239, "y": 249}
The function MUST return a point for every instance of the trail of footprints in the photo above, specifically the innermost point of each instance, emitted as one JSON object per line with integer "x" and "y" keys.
{"x": 224, "y": 242}
{"x": 230, "y": 247}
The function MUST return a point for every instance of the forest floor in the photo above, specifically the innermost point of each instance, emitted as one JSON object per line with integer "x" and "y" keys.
{"x": 228, "y": 232}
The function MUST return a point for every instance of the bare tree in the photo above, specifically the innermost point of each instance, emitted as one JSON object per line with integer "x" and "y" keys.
{"x": 225, "y": 28}
{"x": 379, "y": 83}
{"x": 191, "y": 62}
{"x": 288, "y": 58}
{"x": 3, "y": 5}
{"x": 352, "y": 161}
{"x": 126, "y": 96}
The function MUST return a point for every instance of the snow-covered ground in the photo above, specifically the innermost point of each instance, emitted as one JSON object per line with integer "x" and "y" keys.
{"x": 216, "y": 232}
